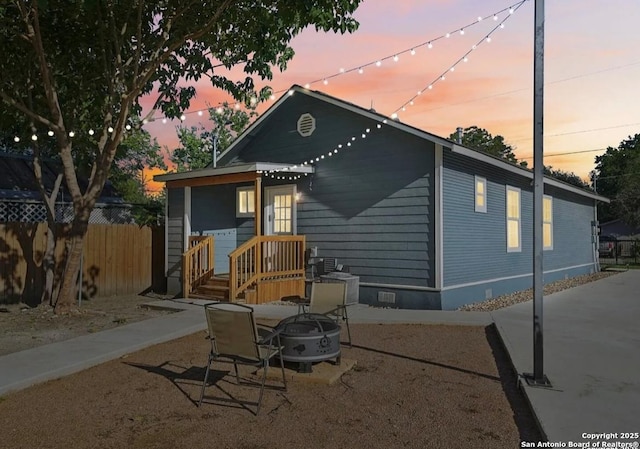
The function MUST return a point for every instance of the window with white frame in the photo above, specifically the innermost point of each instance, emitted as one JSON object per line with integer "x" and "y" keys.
{"x": 547, "y": 222}
{"x": 481, "y": 194}
{"x": 245, "y": 201}
{"x": 513, "y": 220}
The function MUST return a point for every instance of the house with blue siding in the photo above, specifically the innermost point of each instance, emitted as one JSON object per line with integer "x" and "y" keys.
{"x": 421, "y": 221}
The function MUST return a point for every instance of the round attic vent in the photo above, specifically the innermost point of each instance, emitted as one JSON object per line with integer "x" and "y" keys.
{"x": 306, "y": 125}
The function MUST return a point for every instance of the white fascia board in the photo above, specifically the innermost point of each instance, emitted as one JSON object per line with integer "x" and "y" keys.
{"x": 232, "y": 169}
{"x": 524, "y": 172}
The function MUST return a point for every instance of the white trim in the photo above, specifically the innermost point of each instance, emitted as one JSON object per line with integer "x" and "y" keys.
{"x": 439, "y": 219}
{"x": 473, "y": 154}
{"x": 338, "y": 103}
{"x": 508, "y": 189}
{"x": 186, "y": 223}
{"x": 166, "y": 234}
{"x": 399, "y": 287}
{"x": 268, "y": 208}
{"x": 550, "y": 198}
{"x": 233, "y": 169}
{"x": 480, "y": 180}
{"x": 239, "y": 190}
{"x": 507, "y": 278}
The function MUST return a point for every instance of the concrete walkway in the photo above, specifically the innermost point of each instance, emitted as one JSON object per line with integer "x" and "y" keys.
{"x": 592, "y": 354}
{"x": 591, "y": 357}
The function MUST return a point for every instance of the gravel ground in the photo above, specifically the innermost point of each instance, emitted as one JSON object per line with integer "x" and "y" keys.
{"x": 527, "y": 295}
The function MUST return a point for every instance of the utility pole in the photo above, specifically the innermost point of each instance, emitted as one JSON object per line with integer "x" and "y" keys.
{"x": 538, "y": 378}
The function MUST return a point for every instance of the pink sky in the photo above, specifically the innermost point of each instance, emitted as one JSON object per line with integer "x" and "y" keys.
{"x": 592, "y": 68}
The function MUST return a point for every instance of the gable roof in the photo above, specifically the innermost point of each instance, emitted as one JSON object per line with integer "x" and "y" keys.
{"x": 17, "y": 180}
{"x": 245, "y": 138}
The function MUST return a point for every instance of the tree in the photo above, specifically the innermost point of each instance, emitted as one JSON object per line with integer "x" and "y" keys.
{"x": 480, "y": 139}
{"x": 197, "y": 143}
{"x": 565, "y": 176}
{"x": 79, "y": 68}
{"x": 617, "y": 176}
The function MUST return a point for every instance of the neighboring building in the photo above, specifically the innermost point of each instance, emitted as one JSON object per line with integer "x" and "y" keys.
{"x": 619, "y": 229}
{"x": 423, "y": 222}
{"x": 21, "y": 201}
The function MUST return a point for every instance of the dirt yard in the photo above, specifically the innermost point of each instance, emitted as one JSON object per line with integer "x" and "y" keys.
{"x": 23, "y": 327}
{"x": 414, "y": 386}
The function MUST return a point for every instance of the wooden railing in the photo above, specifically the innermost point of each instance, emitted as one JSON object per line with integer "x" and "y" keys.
{"x": 267, "y": 257}
{"x": 197, "y": 263}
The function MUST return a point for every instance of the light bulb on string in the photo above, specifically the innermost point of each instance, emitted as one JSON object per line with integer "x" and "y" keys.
{"x": 479, "y": 18}
{"x": 488, "y": 39}
{"x": 34, "y": 137}
{"x": 413, "y": 52}
{"x": 430, "y": 86}
{"x": 429, "y": 45}
{"x": 145, "y": 121}
{"x": 395, "y": 58}
{"x": 461, "y": 32}
{"x": 325, "y": 82}
{"x": 466, "y": 59}
{"x": 306, "y": 86}
{"x": 378, "y": 63}
{"x": 200, "y": 113}
{"x": 128, "y": 127}
{"x": 453, "y": 68}
{"x": 91, "y": 132}
{"x": 495, "y": 17}
{"x": 110, "y": 129}
{"x": 50, "y": 133}
{"x": 341, "y": 69}
{"x": 502, "y": 26}
{"x": 164, "y": 122}
{"x": 448, "y": 35}
{"x": 72, "y": 134}
{"x": 16, "y": 139}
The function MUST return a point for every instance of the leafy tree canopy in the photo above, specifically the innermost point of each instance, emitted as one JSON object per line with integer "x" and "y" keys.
{"x": 480, "y": 139}
{"x": 75, "y": 66}
{"x": 197, "y": 143}
{"x": 565, "y": 176}
{"x": 617, "y": 176}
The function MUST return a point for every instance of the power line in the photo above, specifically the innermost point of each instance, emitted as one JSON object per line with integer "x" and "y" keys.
{"x": 568, "y": 152}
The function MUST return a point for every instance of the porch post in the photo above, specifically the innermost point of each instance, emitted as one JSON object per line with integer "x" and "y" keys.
{"x": 257, "y": 196}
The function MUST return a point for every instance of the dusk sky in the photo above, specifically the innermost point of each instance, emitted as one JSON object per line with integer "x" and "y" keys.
{"x": 592, "y": 72}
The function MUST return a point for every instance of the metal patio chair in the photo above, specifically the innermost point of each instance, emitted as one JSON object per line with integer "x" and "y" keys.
{"x": 235, "y": 338}
{"x": 330, "y": 299}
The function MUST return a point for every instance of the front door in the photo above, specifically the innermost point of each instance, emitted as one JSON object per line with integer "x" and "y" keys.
{"x": 280, "y": 210}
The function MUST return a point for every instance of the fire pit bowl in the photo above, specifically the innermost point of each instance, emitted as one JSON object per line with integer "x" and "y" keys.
{"x": 309, "y": 338}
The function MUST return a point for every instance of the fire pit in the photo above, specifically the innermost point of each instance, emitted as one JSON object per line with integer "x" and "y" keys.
{"x": 309, "y": 338}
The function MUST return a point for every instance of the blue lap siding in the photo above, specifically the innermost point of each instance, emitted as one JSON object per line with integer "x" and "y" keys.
{"x": 476, "y": 263}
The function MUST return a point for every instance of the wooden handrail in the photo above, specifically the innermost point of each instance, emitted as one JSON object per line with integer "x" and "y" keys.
{"x": 197, "y": 263}
{"x": 265, "y": 257}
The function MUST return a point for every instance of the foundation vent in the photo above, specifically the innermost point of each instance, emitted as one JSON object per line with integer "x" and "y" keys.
{"x": 387, "y": 297}
{"x": 306, "y": 125}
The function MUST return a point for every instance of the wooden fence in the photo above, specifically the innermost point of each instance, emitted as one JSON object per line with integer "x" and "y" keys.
{"x": 117, "y": 260}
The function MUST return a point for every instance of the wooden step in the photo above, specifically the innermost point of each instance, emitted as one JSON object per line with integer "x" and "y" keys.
{"x": 219, "y": 291}
{"x": 218, "y": 280}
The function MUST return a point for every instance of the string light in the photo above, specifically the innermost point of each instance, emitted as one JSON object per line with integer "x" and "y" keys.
{"x": 464, "y": 58}
{"x": 378, "y": 62}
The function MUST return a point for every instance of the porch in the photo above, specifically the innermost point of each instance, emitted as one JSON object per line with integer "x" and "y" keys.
{"x": 263, "y": 269}
{"x": 236, "y": 237}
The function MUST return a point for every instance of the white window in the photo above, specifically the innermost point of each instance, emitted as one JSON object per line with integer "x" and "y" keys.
{"x": 514, "y": 243}
{"x": 282, "y": 213}
{"x": 481, "y": 194}
{"x": 245, "y": 202}
{"x": 547, "y": 222}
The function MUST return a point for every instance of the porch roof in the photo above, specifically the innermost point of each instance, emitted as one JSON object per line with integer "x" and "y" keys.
{"x": 252, "y": 167}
